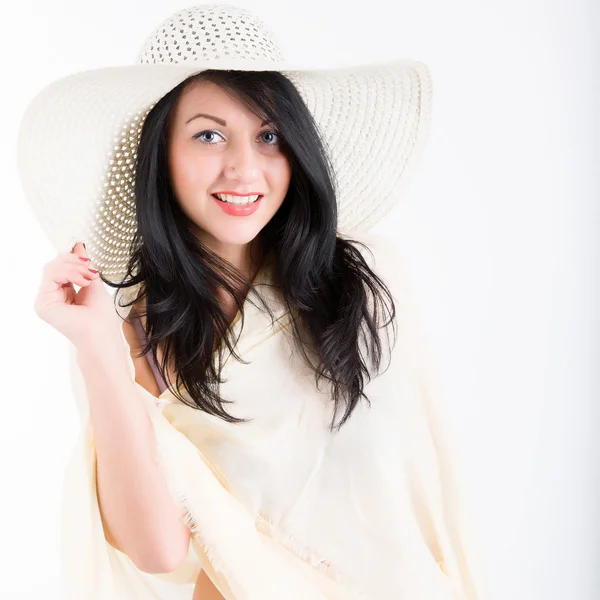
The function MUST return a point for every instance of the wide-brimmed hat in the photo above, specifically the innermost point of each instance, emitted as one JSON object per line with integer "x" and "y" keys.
{"x": 78, "y": 137}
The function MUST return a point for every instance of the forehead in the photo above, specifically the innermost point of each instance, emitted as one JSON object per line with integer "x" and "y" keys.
{"x": 207, "y": 97}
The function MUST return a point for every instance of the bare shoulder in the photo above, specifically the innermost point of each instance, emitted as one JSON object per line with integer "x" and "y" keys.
{"x": 143, "y": 373}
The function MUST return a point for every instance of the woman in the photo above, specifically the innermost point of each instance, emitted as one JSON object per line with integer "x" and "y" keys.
{"x": 286, "y": 443}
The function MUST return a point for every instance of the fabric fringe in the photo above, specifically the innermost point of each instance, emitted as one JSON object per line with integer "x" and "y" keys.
{"x": 308, "y": 554}
{"x": 243, "y": 562}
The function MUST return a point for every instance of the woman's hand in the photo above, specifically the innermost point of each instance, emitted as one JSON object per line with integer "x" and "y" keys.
{"x": 79, "y": 316}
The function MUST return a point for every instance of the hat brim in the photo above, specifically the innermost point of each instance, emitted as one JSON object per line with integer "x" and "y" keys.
{"x": 374, "y": 120}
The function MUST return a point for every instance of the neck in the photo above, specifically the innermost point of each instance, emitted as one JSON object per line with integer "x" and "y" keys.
{"x": 247, "y": 258}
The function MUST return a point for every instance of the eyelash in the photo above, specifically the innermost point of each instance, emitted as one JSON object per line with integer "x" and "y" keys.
{"x": 198, "y": 135}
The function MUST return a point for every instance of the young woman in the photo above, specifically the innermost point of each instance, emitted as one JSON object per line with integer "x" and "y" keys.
{"x": 259, "y": 418}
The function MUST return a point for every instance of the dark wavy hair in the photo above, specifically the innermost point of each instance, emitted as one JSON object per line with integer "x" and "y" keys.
{"x": 324, "y": 279}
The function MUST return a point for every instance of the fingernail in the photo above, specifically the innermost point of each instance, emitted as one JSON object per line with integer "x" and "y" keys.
{"x": 85, "y": 259}
{"x": 93, "y": 270}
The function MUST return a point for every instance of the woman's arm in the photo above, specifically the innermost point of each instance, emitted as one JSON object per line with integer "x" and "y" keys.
{"x": 139, "y": 515}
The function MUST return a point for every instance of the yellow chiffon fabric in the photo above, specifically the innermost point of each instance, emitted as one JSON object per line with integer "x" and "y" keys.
{"x": 280, "y": 507}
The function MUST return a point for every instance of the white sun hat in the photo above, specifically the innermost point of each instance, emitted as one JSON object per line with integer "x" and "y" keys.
{"x": 78, "y": 137}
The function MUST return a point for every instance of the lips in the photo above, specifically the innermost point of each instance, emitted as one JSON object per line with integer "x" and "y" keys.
{"x": 239, "y": 210}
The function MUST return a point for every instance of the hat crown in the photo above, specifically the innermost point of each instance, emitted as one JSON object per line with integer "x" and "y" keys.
{"x": 210, "y": 32}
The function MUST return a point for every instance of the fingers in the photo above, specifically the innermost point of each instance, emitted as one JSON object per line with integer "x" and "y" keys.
{"x": 79, "y": 249}
{"x": 68, "y": 268}
{"x": 59, "y": 273}
{"x": 78, "y": 252}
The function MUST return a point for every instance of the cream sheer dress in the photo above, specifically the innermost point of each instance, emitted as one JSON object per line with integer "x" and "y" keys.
{"x": 280, "y": 507}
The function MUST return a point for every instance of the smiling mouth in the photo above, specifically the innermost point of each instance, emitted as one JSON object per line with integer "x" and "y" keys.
{"x": 244, "y": 201}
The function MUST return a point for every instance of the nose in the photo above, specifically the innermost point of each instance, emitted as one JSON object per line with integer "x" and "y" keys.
{"x": 242, "y": 162}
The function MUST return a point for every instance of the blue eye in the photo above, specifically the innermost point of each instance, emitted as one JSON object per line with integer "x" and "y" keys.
{"x": 272, "y": 133}
{"x": 208, "y": 131}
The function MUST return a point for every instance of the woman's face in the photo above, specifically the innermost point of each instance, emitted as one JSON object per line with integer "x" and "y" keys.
{"x": 227, "y": 150}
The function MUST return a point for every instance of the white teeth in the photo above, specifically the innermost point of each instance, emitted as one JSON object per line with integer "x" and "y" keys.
{"x": 237, "y": 199}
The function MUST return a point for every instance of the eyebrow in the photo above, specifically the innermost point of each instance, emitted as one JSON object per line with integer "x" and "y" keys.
{"x": 220, "y": 121}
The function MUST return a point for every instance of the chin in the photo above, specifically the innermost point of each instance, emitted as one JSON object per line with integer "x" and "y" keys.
{"x": 236, "y": 235}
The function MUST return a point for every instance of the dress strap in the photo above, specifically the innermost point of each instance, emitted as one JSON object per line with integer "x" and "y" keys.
{"x": 141, "y": 334}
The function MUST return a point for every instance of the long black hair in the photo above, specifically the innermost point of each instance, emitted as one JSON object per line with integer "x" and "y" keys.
{"x": 323, "y": 278}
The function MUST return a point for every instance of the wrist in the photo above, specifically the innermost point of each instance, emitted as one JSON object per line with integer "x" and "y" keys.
{"x": 100, "y": 343}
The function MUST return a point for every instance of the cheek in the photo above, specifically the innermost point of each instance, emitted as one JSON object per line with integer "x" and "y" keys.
{"x": 190, "y": 174}
{"x": 281, "y": 175}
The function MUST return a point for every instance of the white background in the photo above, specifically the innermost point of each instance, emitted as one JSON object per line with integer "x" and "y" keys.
{"x": 498, "y": 227}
